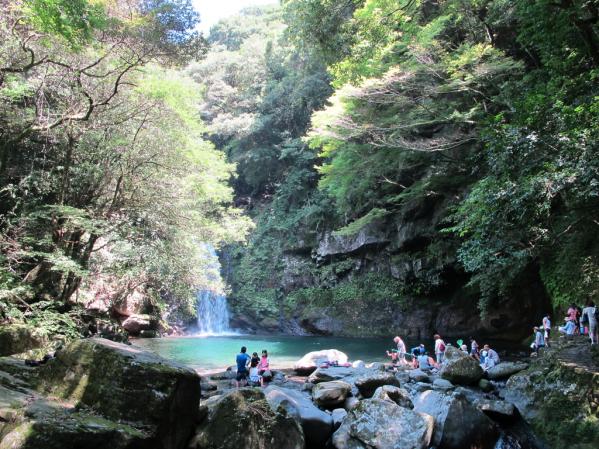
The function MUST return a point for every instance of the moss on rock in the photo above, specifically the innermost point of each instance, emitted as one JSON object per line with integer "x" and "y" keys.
{"x": 15, "y": 338}
{"x": 559, "y": 395}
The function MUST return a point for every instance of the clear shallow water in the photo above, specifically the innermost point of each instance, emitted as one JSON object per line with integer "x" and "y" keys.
{"x": 209, "y": 353}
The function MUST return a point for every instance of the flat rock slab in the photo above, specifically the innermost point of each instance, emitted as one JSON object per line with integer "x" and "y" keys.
{"x": 504, "y": 370}
{"x": 496, "y": 409}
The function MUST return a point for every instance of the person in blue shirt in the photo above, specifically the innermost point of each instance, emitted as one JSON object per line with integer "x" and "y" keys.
{"x": 243, "y": 360}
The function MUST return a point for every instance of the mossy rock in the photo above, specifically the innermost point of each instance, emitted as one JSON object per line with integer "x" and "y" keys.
{"x": 559, "y": 398}
{"x": 244, "y": 419}
{"x": 127, "y": 384}
{"x": 73, "y": 431}
{"x": 15, "y": 338}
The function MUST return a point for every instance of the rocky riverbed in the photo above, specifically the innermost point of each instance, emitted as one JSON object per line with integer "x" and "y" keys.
{"x": 99, "y": 394}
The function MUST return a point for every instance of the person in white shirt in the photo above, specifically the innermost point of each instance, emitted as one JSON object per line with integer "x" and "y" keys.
{"x": 588, "y": 316}
{"x": 439, "y": 348}
{"x": 547, "y": 328}
{"x": 254, "y": 377}
{"x": 401, "y": 349}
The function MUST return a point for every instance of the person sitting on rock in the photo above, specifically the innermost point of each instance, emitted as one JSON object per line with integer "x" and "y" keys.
{"x": 491, "y": 358}
{"x": 264, "y": 364}
{"x": 255, "y": 379}
{"x": 416, "y": 351}
{"x": 569, "y": 328}
{"x": 242, "y": 360}
{"x": 425, "y": 362}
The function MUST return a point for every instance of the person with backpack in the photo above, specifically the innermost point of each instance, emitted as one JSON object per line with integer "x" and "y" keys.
{"x": 590, "y": 315}
{"x": 439, "y": 348}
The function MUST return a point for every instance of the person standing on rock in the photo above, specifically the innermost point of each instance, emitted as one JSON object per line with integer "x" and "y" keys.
{"x": 439, "y": 348}
{"x": 401, "y": 349}
{"x": 589, "y": 315}
{"x": 242, "y": 360}
{"x": 547, "y": 328}
{"x": 474, "y": 349}
{"x": 539, "y": 340}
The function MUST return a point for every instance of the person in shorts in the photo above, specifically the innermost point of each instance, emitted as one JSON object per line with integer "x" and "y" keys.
{"x": 242, "y": 360}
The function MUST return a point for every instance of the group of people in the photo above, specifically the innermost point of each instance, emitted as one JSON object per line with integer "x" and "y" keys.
{"x": 578, "y": 321}
{"x": 581, "y": 321}
{"x": 251, "y": 370}
{"x": 418, "y": 356}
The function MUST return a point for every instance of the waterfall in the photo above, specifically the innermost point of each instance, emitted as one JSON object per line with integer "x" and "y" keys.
{"x": 212, "y": 309}
{"x": 213, "y": 313}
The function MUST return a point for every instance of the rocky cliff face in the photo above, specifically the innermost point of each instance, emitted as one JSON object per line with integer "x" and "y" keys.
{"x": 397, "y": 273}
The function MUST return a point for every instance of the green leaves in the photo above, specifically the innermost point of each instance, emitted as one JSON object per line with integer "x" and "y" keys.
{"x": 73, "y": 20}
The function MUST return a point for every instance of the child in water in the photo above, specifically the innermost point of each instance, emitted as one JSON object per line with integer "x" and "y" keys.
{"x": 394, "y": 354}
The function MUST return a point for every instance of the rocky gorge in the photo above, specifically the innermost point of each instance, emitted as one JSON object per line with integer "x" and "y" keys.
{"x": 96, "y": 393}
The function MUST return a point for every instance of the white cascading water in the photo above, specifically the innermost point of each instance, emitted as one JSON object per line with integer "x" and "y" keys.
{"x": 213, "y": 313}
{"x": 212, "y": 309}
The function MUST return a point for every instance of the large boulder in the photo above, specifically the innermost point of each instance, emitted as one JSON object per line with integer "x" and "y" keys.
{"x": 50, "y": 425}
{"x": 459, "y": 368}
{"x": 314, "y": 359}
{"x": 458, "y": 423}
{"x": 394, "y": 394}
{"x": 29, "y": 420}
{"x": 15, "y": 339}
{"x": 558, "y": 395}
{"x": 127, "y": 384}
{"x": 498, "y": 410}
{"x": 244, "y": 419}
{"x": 380, "y": 424}
{"x": 369, "y": 382}
{"x": 316, "y": 424}
{"x": 330, "y": 395}
{"x": 135, "y": 324}
{"x": 504, "y": 370}
{"x": 417, "y": 375}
